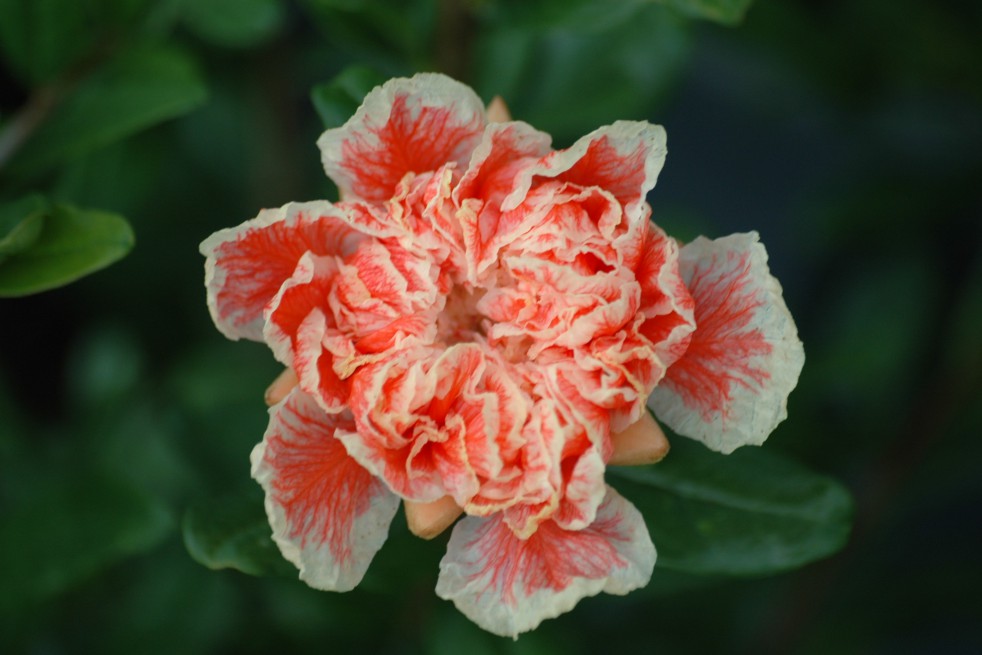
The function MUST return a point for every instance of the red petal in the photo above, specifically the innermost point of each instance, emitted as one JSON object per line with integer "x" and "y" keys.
{"x": 329, "y": 515}
{"x": 406, "y": 125}
{"x": 505, "y": 149}
{"x": 731, "y": 386}
{"x": 296, "y": 325}
{"x": 624, "y": 159}
{"x": 666, "y": 303}
{"x": 246, "y": 265}
{"x": 508, "y": 585}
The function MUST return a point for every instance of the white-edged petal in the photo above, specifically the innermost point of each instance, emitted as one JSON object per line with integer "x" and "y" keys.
{"x": 731, "y": 386}
{"x": 508, "y": 585}
{"x": 247, "y": 264}
{"x": 407, "y": 125}
{"x": 624, "y": 159}
{"x": 329, "y": 515}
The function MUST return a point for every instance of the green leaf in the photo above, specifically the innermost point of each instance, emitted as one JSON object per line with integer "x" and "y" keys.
{"x": 338, "y": 99}
{"x": 727, "y": 12}
{"x": 570, "y": 78}
{"x": 750, "y": 513}
{"x": 77, "y": 526}
{"x": 134, "y": 91}
{"x": 72, "y": 243}
{"x": 20, "y": 224}
{"x": 40, "y": 38}
{"x": 232, "y": 532}
{"x": 234, "y": 23}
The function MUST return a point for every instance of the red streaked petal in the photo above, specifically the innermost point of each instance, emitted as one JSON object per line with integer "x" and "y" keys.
{"x": 405, "y": 125}
{"x": 509, "y": 585}
{"x": 490, "y": 176}
{"x": 624, "y": 159}
{"x": 296, "y": 326}
{"x": 666, "y": 303}
{"x": 329, "y": 515}
{"x": 303, "y": 292}
{"x": 315, "y": 364}
{"x": 731, "y": 386}
{"x": 491, "y": 171}
{"x": 246, "y": 265}
{"x": 393, "y": 439}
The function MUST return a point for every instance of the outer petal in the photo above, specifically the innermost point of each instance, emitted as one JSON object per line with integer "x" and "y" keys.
{"x": 406, "y": 125}
{"x": 508, "y": 585}
{"x": 731, "y": 387}
{"x": 329, "y": 515}
{"x": 246, "y": 265}
{"x": 624, "y": 158}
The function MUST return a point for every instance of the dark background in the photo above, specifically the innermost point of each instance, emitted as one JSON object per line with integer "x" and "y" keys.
{"x": 848, "y": 133}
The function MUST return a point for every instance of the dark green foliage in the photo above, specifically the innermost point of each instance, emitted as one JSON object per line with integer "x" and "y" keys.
{"x": 52, "y": 246}
{"x": 846, "y": 132}
{"x": 751, "y": 513}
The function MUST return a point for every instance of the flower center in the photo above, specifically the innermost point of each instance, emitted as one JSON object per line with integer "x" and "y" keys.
{"x": 460, "y": 321}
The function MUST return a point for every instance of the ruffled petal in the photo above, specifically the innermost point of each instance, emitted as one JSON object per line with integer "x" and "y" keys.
{"x": 666, "y": 303}
{"x": 570, "y": 488}
{"x": 505, "y": 149}
{"x": 398, "y": 438}
{"x": 731, "y": 386}
{"x": 296, "y": 326}
{"x": 508, "y": 585}
{"x": 329, "y": 515}
{"x": 432, "y": 422}
{"x": 407, "y": 125}
{"x": 246, "y": 265}
{"x": 300, "y": 294}
{"x": 624, "y": 159}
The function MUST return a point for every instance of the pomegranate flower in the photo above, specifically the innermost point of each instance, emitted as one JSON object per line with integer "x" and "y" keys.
{"x": 477, "y": 327}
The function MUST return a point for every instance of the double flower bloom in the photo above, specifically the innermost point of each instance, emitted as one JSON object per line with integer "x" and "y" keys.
{"x": 475, "y": 324}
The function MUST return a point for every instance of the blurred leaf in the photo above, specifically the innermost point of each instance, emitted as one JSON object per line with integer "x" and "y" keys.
{"x": 232, "y": 532}
{"x": 132, "y": 92}
{"x": 749, "y": 513}
{"x": 866, "y": 358}
{"x": 72, "y": 243}
{"x": 963, "y": 346}
{"x": 727, "y": 12}
{"x": 40, "y": 38}
{"x": 451, "y": 633}
{"x": 394, "y": 36}
{"x": 81, "y": 523}
{"x": 104, "y": 368}
{"x": 570, "y": 79}
{"x": 234, "y": 23}
{"x": 20, "y": 224}
{"x": 336, "y": 101}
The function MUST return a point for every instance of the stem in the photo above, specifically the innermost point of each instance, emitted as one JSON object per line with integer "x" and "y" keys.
{"x": 26, "y": 121}
{"x": 454, "y": 36}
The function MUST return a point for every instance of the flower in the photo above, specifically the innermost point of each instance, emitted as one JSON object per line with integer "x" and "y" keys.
{"x": 477, "y": 326}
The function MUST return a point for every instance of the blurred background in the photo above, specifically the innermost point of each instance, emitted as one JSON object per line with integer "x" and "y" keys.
{"x": 848, "y": 133}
